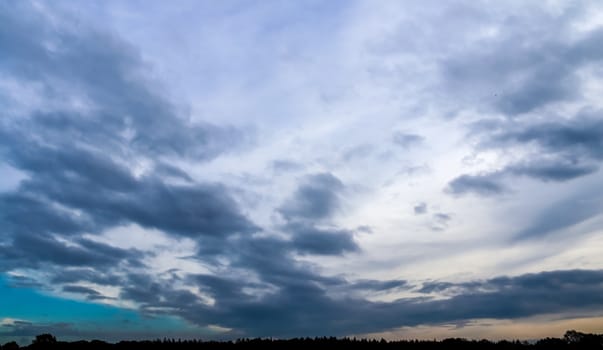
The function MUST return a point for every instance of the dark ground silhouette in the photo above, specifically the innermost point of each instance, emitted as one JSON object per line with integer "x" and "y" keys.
{"x": 571, "y": 340}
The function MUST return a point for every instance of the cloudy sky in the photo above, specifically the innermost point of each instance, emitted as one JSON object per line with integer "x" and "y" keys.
{"x": 223, "y": 169}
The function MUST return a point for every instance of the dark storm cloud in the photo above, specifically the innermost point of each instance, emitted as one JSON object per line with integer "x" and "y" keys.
{"x": 483, "y": 184}
{"x": 522, "y": 296}
{"x": 304, "y": 308}
{"x": 549, "y": 171}
{"x": 296, "y": 304}
{"x": 312, "y": 240}
{"x": 189, "y": 210}
{"x": 271, "y": 259}
{"x": 274, "y": 270}
{"x": 78, "y": 274}
{"x": 226, "y": 289}
{"x": 315, "y": 199}
{"x": 32, "y": 250}
{"x": 79, "y": 161}
{"x": 152, "y": 294}
{"x": 142, "y": 288}
{"x": 104, "y": 249}
{"x": 22, "y": 212}
{"x": 266, "y": 283}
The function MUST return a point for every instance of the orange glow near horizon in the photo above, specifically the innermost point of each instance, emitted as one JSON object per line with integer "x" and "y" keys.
{"x": 492, "y": 329}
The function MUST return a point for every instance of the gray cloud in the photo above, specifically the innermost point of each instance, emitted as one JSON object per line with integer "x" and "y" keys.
{"x": 313, "y": 240}
{"x": 484, "y": 184}
{"x": 90, "y": 293}
{"x": 271, "y": 260}
{"x": 17, "y": 281}
{"x": 128, "y": 111}
{"x": 441, "y": 217}
{"x": 376, "y": 285}
{"x": 304, "y": 308}
{"x": 151, "y": 293}
{"x": 283, "y": 166}
{"x": 566, "y": 150}
{"x": 575, "y": 138}
{"x": 82, "y": 177}
{"x": 22, "y": 212}
{"x": 406, "y": 140}
{"x": 566, "y": 281}
{"x": 420, "y": 208}
{"x": 532, "y": 65}
{"x": 79, "y": 274}
{"x": 358, "y": 152}
{"x": 364, "y": 229}
{"x": 435, "y": 287}
{"x": 173, "y": 171}
{"x": 552, "y": 171}
{"x": 188, "y": 210}
{"x": 80, "y": 160}
{"x": 539, "y": 293}
{"x": 563, "y": 214}
{"x": 316, "y": 198}
{"x": 516, "y": 73}
{"x": 32, "y": 250}
{"x": 440, "y": 221}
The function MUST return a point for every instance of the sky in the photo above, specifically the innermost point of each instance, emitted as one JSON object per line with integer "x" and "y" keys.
{"x": 226, "y": 169}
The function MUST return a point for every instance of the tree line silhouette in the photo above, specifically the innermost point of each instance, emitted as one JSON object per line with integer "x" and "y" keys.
{"x": 572, "y": 340}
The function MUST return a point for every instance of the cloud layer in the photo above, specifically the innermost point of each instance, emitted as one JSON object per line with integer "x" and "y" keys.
{"x": 300, "y": 169}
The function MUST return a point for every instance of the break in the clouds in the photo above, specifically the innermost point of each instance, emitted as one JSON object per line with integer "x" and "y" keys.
{"x": 298, "y": 169}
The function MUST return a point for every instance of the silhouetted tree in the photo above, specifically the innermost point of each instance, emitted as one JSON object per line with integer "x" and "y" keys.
{"x": 44, "y": 339}
{"x": 584, "y": 340}
{"x": 573, "y": 336}
{"x": 572, "y": 340}
{"x": 10, "y": 346}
